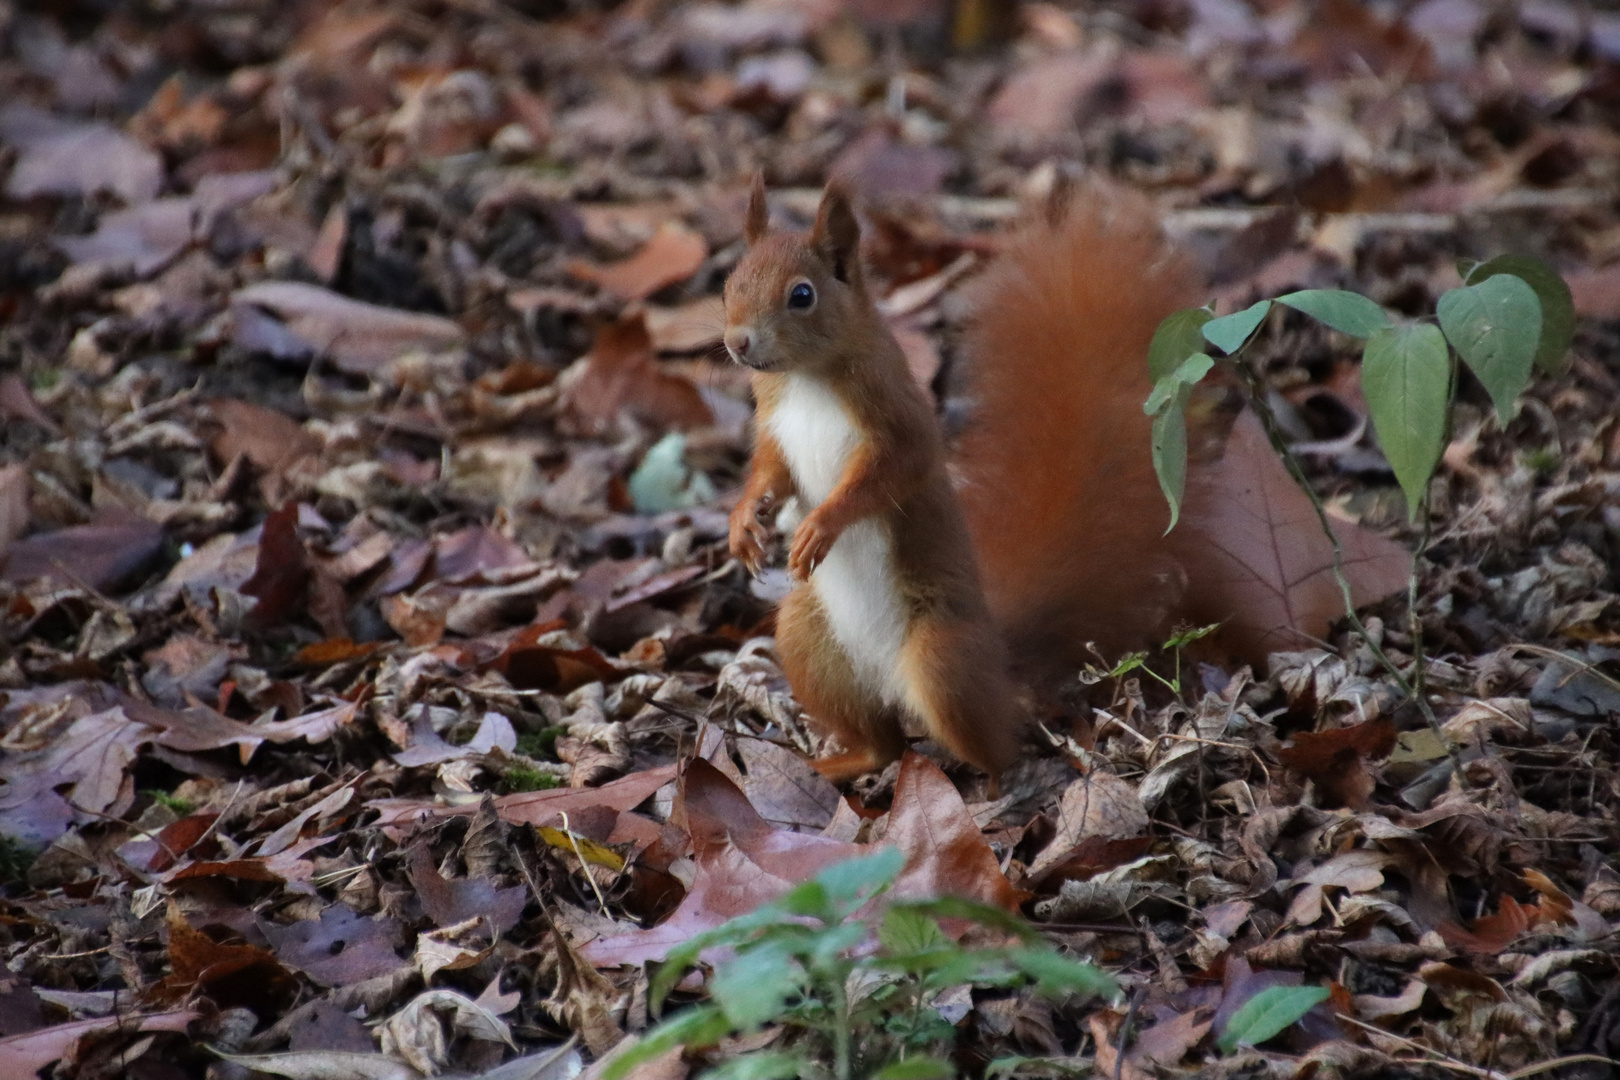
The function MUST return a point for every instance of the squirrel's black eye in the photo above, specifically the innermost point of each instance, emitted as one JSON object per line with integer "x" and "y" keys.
{"x": 801, "y": 296}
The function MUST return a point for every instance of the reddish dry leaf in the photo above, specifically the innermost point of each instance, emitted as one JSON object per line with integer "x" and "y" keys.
{"x": 672, "y": 255}
{"x": 1269, "y": 568}
{"x": 784, "y": 788}
{"x": 334, "y": 651}
{"x": 326, "y": 257}
{"x": 281, "y": 576}
{"x": 1490, "y": 934}
{"x": 231, "y": 975}
{"x": 946, "y": 853}
{"x": 1168, "y": 1041}
{"x": 312, "y": 727}
{"x": 1342, "y": 36}
{"x": 172, "y": 842}
{"x": 24, "y": 1055}
{"x": 1090, "y": 857}
{"x": 741, "y": 863}
{"x": 695, "y": 326}
{"x": 474, "y": 554}
{"x": 1333, "y": 760}
{"x": 621, "y": 373}
{"x": 360, "y": 338}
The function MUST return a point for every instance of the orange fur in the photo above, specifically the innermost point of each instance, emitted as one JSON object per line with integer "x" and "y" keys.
{"x": 1055, "y": 469}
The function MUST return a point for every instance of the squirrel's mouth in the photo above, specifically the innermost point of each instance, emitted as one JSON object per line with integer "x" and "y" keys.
{"x": 754, "y": 363}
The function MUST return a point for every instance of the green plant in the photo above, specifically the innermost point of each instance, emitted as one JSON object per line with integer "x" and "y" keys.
{"x": 525, "y": 778}
{"x": 542, "y": 744}
{"x": 847, "y": 980}
{"x": 1268, "y": 1013}
{"x": 1138, "y": 660}
{"x": 179, "y": 805}
{"x": 1510, "y": 315}
{"x": 15, "y": 859}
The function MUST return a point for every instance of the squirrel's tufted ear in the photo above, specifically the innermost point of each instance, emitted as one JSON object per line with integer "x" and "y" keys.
{"x": 837, "y": 235}
{"x": 758, "y": 221}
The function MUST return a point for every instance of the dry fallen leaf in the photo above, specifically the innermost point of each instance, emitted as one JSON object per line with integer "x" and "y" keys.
{"x": 672, "y": 255}
{"x": 1277, "y": 590}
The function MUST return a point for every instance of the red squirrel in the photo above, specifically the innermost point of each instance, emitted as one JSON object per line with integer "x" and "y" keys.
{"x": 921, "y": 574}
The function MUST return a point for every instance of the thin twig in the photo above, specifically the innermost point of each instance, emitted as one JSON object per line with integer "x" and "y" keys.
{"x": 1268, "y": 420}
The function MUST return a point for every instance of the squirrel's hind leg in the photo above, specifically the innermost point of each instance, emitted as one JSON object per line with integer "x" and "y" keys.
{"x": 955, "y": 675}
{"x": 827, "y": 687}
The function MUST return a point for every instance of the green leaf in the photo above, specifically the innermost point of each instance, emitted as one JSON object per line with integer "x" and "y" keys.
{"x": 701, "y": 1025}
{"x": 1557, "y": 306}
{"x": 739, "y": 930}
{"x": 760, "y": 1065}
{"x": 1406, "y": 377}
{"x": 1170, "y": 452}
{"x": 1177, "y": 338}
{"x": 907, "y": 931}
{"x": 1056, "y": 974}
{"x": 1268, "y": 1013}
{"x": 826, "y": 946}
{"x": 1038, "y": 1066}
{"x": 1229, "y": 332}
{"x": 1495, "y": 327}
{"x": 850, "y": 882}
{"x": 1347, "y": 312}
{"x": 1188, "y": 372}
{"x": 754, "y": 986}
{"x": 956, "y": 907}
{"x": 917, "y": 1068}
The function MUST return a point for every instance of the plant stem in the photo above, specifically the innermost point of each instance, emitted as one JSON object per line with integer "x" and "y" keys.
{"x": 1413, "y": 688}
{"x": 841, "y": 1033}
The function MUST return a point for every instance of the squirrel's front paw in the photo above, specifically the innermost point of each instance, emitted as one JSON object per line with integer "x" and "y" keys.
{"x": 811, "y": 543}
{"x": 748, "y": 537}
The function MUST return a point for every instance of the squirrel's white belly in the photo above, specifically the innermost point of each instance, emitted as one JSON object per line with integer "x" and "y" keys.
{"x": 856, "y": 582}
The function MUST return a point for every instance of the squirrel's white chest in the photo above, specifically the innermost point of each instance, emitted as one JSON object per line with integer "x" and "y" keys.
{"x": 856, "y": 583}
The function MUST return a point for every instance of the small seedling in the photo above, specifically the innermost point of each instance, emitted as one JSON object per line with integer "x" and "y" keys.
{"x": 850, "y": 978}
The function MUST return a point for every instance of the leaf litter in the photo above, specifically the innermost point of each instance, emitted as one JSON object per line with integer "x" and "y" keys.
{"x": 377, "y": 698}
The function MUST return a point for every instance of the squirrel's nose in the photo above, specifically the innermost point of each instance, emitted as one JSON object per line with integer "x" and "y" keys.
{"x": 739, "y": 339}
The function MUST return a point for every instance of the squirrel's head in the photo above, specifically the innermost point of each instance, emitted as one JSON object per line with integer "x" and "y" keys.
{"x": 793, "y": 298}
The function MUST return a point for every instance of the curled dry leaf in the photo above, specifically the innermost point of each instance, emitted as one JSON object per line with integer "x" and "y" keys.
{"x": 672, "y": 255}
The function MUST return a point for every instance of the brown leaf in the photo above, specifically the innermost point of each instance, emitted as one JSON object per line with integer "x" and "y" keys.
{"x": 280, "y": 447}
{"x": 672, "y": 255}
{"x": 92, "y": 756}
{"x": 360, "y": 338}
{"x": 1333, "y": 759}
{"x": 1490, "y": 934}
{"x": 741, "y": 863}
{"x": 694, "y": 326}
{"x": 143, "y": 238}
{"x": 946, "y": 854}
{"x": 281, "y": 576}
{"x": 1098, "y": 806}
{"x": 1266, "y": 567}
{"x": 535, "y": 807}
{"x": 621, "y": 373}
{"x": 231, "y": 975}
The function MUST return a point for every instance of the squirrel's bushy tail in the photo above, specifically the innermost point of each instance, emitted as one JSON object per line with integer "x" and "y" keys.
{"x": 1055, "y": 469}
